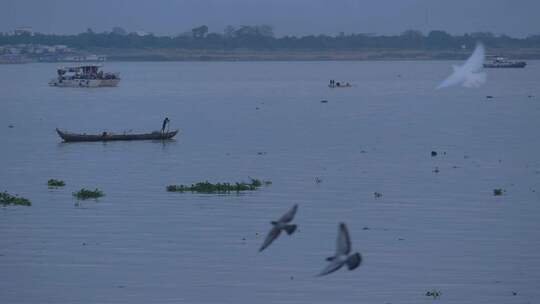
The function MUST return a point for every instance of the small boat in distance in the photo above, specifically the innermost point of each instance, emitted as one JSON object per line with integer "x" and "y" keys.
{"x": 501, "y": 62}
{"x": 334, "y": 84}
{"x": 84, "y": 76}
{"x": 106, "y": 136}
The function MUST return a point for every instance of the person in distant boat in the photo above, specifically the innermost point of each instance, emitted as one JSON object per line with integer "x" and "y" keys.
{"x": 165, "y": 122}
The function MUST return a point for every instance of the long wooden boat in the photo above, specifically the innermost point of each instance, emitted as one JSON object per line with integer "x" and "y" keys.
{"x": 74, "y": 137}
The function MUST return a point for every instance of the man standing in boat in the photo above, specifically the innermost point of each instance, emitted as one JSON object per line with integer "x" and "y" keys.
{"x": 165, "y": 122}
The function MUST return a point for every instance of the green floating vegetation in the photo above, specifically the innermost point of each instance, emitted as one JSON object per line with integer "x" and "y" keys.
{"x": 434, "y": 293}
{"x": 87, "y": 194}
{"x": 207, "y": 187}
{"x": 55, "y": 183}
{"x": 8, "y": 199}
{"x": 498, "y": 191}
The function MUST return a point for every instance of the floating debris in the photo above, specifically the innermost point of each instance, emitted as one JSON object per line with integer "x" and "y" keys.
{"x": 8, "y": 199}
{"x": 324, "y": 101}
{"x": 365, "y": 228}
{"x": 87, "y": 194}
{"x": 433, "y": 153}
{"x": 514, "y": 293}
{"x": 434, "y": 293}
{"x": 11, "y": 126}
{"x": 318, "y": 180}
{"x": 207, "y": 187}
{"x": 489, "y": 96}
{"x": 498, "y": 191}
{"x": 377, "y": 194}
{"x": 262, "y": 153}
{"x": 436, "y": 170}
{"x": 55, "y": 183}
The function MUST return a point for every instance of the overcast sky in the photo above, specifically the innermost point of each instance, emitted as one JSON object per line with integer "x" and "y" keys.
{"x": 298, "y": 17}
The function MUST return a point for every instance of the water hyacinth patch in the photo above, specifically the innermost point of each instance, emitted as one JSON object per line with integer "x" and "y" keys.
{"x": 87, "y": 194}
{"x": 55, "y": 183}
{"x": 207, "y": 187}
{"x": 8, "y": 199}
{"x": 256, "y": 183}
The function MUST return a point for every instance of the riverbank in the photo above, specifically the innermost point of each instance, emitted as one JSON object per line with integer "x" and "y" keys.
{"x": 168, "y": 54}
{"x": 302, "y": 55}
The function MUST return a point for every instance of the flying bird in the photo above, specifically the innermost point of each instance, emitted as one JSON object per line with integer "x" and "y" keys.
{"x": 343, "y": 253}
{"x": 279, "y": 225}
{"x": 469, "y": 74}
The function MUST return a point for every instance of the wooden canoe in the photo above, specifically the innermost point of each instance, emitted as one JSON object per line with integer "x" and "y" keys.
{"x": 74, "y": 137}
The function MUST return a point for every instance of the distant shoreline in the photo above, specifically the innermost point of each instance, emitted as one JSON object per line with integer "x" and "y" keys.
{"x": 239, "y": 55}
{"x": 308, "y": 55}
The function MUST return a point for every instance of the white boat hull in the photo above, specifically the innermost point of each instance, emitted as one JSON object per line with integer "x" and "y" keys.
{"x": 84, "y": 83}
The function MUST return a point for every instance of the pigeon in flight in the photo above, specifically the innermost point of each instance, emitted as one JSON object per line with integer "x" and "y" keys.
{"x": 468, "y": 74}
{"x": 279, "y": 225}
{"x": 343, "y": 253}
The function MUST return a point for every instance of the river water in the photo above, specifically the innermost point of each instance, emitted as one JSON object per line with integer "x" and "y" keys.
{"x": 442, "y": 230}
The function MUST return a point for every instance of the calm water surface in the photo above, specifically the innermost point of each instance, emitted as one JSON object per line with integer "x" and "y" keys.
{"x": 139, "y": 244}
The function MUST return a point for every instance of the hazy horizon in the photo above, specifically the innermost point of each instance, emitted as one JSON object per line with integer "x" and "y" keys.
{"x": 300, "y": 17}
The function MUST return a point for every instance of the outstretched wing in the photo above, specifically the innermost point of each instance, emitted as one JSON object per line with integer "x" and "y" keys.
{"x": 331, "y": 267}
{"x": 289, "y": 216}
{"x": 476, "y": 61}
{"x": 465, "y": 73}
{"x": 456, "y": 78}
{"x": 343, "y": 240}
{"x": 474, "y": 80}
{"x": 272, "y": 235}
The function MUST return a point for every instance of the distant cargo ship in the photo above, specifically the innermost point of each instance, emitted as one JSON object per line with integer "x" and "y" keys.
{"x": 501, "y": 62}
{"x": 85, "y": 76}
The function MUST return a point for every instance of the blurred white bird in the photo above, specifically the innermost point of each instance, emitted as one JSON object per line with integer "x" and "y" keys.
{"x": 281, "y": 224}
{"x": 343, "y": 253}
{"x": 469, "y": 74}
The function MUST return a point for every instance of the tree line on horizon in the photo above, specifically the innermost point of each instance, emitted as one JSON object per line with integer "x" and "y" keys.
{"x": 261, "y": 37}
